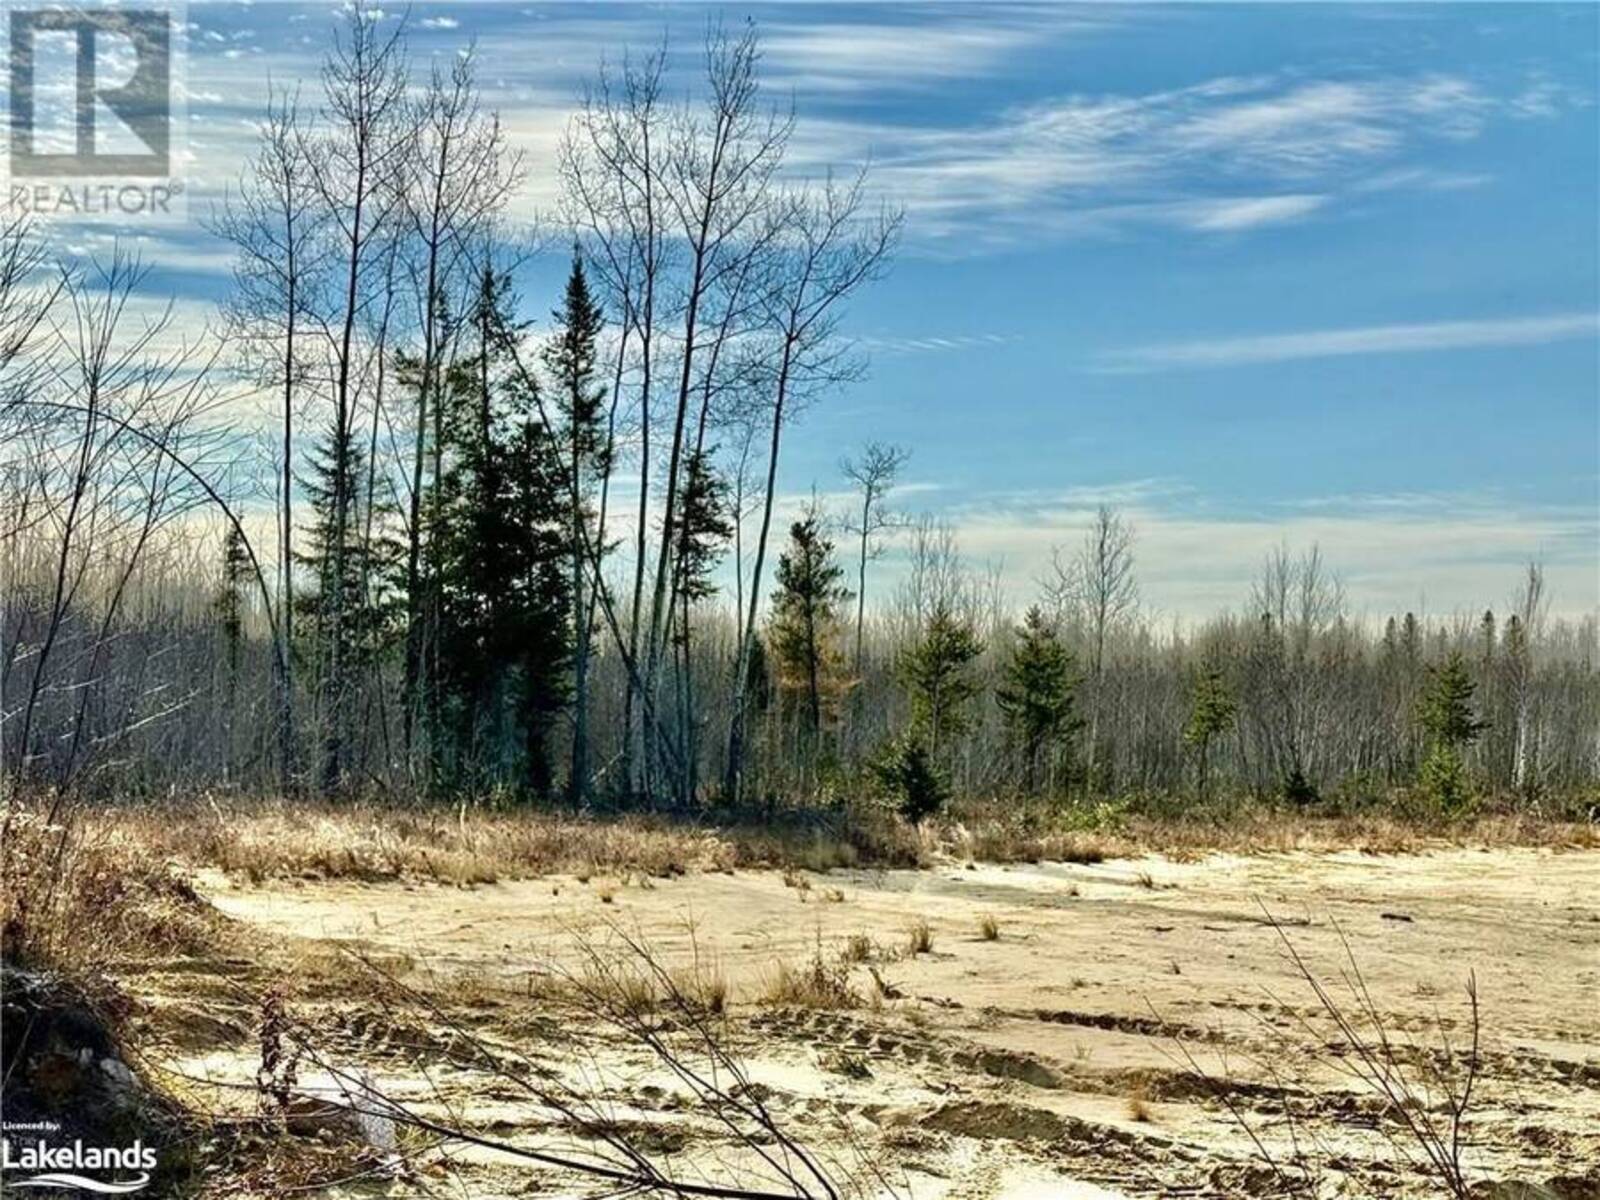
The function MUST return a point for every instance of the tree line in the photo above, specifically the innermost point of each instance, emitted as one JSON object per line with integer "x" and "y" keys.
{"x": 476, "y": 549}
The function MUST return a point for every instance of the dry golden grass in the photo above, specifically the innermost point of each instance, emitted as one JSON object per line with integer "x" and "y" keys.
{"x": 79, "y": 898}
{"x": 989, "y": 928}
{"x": 858, "y": 948}
{"x": 469, "y": 846}
{"x": 919, "y": 938}
{"x": 704, "y": 985}
{"x": 631, "y": 991}
{"x": 816, "y": 983}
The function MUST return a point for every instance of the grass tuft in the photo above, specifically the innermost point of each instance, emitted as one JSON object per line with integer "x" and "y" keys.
{"x": 816, "y": 983}
{"x": 919, "y": 938}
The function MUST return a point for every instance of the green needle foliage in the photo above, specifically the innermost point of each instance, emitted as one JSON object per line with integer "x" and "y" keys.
{"x": 1212, "y": 710}
{"x": 805, "y": 618}
{"x": 937, "y": 671}
{"x": 912, "y": 780}
{"x": 1449, "y": 721}
{"x": 1038, "y": 694}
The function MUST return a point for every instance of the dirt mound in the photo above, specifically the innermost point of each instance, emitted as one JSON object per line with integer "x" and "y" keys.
{"x": 999, "y": 1120}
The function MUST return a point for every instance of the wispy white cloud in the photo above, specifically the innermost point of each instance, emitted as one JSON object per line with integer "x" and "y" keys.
{"x": 936, "y": 343}
{"x": 1248, "y": 212}
{"x": 921, "y": 52}
{"x": 1195, "y": 557}
{"x": 1545, "y": 98}
{"x": 1221, "y": 156}
{"x": 1310, "y": 127}
{"x": 924, "y": 48}
{"x": 1372, "y": 339}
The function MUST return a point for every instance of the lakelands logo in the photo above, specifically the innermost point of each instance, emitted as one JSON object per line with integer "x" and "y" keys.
{"x": 46, "y": 1166}
{"x": 92, "y": 117}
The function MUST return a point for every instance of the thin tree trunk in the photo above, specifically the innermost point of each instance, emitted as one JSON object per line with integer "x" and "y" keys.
{"x": 734, "y": 772}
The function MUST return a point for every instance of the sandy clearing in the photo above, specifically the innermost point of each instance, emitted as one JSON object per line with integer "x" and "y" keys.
{"x": 1005, "y": 1068}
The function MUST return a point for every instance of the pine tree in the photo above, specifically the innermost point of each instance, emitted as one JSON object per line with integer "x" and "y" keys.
{"x": 703, "y": 529}
{"x": 350, "y": 606}
{"x": 503, "y": 537}
{"x": 229, "y": 606}
{"x": 1445, "y": 711}
{"x": 1038, "y": 694}
{"x": 805, "y": 617}
{"x": 1211, "y": 713}
{"x": 229, "y": 603}
{"x": 911, "y": 778}
{"x": 569, "y": 358}
{"x": 1446, "y": 716}
{"x": 937, "y": 673}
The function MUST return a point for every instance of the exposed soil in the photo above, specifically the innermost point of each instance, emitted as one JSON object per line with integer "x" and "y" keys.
{"x": 1047, "y": 1062}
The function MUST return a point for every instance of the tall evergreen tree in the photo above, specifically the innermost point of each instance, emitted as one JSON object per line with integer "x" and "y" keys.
{"x": 1211, "y": 713}
{"x": 1038, "y": 694}
{"x": 1445, "y": 711}
{"x": 1447, "y": 717}
{"x": 937, "y": 672}
{"x": 230, "y": 599}
{"x": 349, "y": 607}
{"x": 704, "y": 527}
{"x": 502, "y": 530}
{"x": 805, "y": 617}
{"x": 570, "y": 359}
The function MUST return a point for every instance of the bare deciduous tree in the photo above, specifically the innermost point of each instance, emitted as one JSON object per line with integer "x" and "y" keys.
{"x": 827, "y": 249}
{"x": 358, "y": 165}
{"x": 873, "y": 473}
{"x": 275, "y": 227}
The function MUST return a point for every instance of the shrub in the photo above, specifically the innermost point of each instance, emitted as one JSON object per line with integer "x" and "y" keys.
{"x": 1444, "y": 780}
{"x": 815, "y": 984}
{"x": 1298, "y": 790}
{"x": 915, "y": 786}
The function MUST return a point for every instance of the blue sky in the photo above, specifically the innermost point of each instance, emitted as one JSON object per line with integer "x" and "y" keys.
{"x": 1258, "y": 274}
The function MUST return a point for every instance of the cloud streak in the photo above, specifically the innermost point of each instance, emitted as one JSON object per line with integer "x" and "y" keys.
{"x": 1221, "y": 156}
{"x": 1339, "y": 343}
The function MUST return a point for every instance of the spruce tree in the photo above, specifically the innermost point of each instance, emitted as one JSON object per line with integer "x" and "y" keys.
{"x": 1038, "y": 693}
{"x": 703, "y": 529}
{"x": 229, "y": 606}
{"x": 1445, "y": 711}
{"x": 805, "y": 617}
{"x": 911, "y": 778}
{"x": 570, "y": 358}
{"x": 349, "y": 608}
{"x": 937, "y": 672}
{"x": 503, "y": 537}
{"x": 1211, "y": 713}
{"x": 229, "y": 603}
{"x": 1446, "y": 716}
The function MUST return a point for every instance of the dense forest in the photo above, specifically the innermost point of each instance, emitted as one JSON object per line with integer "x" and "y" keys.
{"x": 394, "y": 529}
